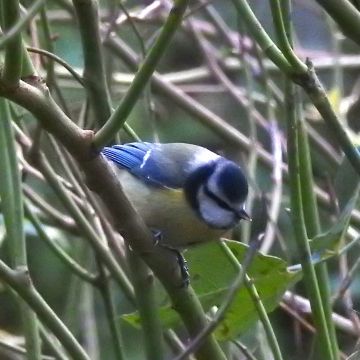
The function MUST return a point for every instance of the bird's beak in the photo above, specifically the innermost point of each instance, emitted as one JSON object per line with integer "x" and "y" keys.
{"x": 244, "y": 215}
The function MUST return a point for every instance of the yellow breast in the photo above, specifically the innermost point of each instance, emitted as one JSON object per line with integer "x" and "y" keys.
{"x": 166, "y": 210}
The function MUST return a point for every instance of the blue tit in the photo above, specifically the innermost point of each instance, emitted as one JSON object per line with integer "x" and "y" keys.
{"x": 186, "y": 192}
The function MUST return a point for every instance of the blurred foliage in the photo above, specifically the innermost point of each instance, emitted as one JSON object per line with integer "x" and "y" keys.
{"x": 211, "y": 281}
{"x": 316, "y": 39}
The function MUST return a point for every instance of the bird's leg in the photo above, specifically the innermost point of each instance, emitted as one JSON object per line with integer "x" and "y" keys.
{"x": 184, "y": 269}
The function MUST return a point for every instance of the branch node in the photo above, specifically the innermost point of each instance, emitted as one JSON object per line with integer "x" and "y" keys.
{"x": 308, "y": 79}
{"x": 36, "y": 81}
{"x": 22, "y": 276}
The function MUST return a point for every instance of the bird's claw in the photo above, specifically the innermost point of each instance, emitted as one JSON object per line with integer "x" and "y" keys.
{"x": 157, "y": 235}
{"x": 184, "y": 269}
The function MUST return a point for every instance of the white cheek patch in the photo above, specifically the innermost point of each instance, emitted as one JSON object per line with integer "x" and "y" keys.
{"x": 214, "y": 215}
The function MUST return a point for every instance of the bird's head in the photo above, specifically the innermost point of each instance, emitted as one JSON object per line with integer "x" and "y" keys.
{"x": 217, "y": 192}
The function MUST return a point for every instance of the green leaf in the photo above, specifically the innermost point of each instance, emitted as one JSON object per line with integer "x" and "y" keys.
{"x": 327, "y": 244}
{"x": 211, "y": 275}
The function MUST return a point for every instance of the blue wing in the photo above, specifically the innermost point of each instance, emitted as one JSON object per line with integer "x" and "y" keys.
{"x": 148, "y": 162}
{"x": 129, "y": 156}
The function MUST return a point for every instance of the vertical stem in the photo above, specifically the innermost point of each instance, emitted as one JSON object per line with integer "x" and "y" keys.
{"x": 50, "y": 65}
{"x": 253, "y": 154}
{"x": 87, "y": 12}
{"x": 143, "y": 281}
{"x": 284, "y": 41}
{"x": 27, "y": 67}
{"x": 310, "y": 209}
{"x": 11, "y": 196}
{"x": 13, "y": 51}
{"x": 88, "y": 324}
{"x": 298, "y": 221}
{"x": 261, "y": 36}
{"x": 105, "y": 287}
{"x": 312, "y": 223}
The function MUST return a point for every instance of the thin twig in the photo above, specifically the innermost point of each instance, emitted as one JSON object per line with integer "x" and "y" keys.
{"x": 60, "y": 61}
{"x": 227, "y": 302}
{"x": 276, "y": 194}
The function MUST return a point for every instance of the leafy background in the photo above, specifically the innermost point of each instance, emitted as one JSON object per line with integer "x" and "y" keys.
{"x": 316, "y": 37}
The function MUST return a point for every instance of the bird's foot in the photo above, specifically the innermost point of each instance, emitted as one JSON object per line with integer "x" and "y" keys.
{"x": 158, "y": 237}
{"x": 184, "y": 269}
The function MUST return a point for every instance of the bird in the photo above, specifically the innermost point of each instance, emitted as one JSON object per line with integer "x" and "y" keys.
{"x": 186, "y": 192}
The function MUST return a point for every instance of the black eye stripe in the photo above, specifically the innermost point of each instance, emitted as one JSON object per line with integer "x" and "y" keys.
{"x": 218, "y": 201}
